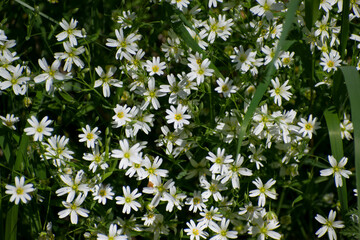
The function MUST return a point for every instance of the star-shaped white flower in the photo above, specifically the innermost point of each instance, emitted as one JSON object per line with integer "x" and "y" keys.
{"x": 337, "y": 169}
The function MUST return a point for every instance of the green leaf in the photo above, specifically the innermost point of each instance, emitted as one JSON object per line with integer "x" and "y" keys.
{"x": 344, "y": 33}
{"x": 4, "y": 145}
{"x": 352, "y": 81}
{"x": 311, "y": 12}
{"x": 270, "y": 70}
{"x": 11, "y": 223}
{"x": 298, "y": 199}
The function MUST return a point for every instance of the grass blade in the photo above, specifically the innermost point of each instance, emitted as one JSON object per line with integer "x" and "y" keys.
{"x": 344, "y": 34}
{"x": 352, "y": 81}
{"x": 11, "y": 223}
{"x": 262, "y": 87}
{"x": 311, "y": 12}
{"x": 333, "y": 124}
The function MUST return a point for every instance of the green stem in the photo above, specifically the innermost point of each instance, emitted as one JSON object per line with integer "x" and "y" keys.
{"x": 36, "y": 10}
{"x": 344, "y": 34}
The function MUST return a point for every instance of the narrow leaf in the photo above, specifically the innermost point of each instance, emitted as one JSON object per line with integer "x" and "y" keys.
{"x": 11, "y": 223}
{"x": 352, "y": 81}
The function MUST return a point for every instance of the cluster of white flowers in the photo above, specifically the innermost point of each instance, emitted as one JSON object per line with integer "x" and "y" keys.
{"x": 166, "y": 176}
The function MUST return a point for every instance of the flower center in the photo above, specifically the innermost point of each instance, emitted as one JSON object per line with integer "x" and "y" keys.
{"x": 97, "y": 159}
{"x": 266, "y": 7}
{"x": 123, "y": 44}
{"x": 223, "y": 233}
{"x": 308, "y": 126}
{"x": 120, "y": 114}
{"x": 155, "y": 68}
{"x": 262, "y": 190}
{"x": 330, "y": 64}
{"x": 126, "y": 155}
{"x": 224, "y": 88}
{"x": 89, "y": 136}
{"x": 213, "y": 188}
{"x": 13, "y": 81}
{"x": 218, "y": 160}
{"x": 195, "y": 232}
{"x": 39, "y": 129}
{"x": 102, "y": 192}
{"x": 178, "y": 117}
{"x": 201, "y": 71}
{"x": 151, "y": 171}
{"x": 128, "y": 199}
{"x": 286, "y": 61}
{"x": 243, "y": 57}
{"x": 19, "y": 191}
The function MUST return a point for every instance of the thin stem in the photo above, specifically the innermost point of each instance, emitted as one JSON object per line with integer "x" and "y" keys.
{"x": 36, "y": 10}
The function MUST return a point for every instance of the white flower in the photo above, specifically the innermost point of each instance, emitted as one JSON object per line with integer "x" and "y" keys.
{"x": 74, "y": 209}
{"x": 244, "y": 59}
{"x": 326, "y": 5}
{"x": 73, "y": 186}
{"x": 56, "y": 149}
{"x": 106, "y": 80}
{"x": 151, "y": 95}
{"x": 265, "y": 7}
{"x": 155, "y": 67}
{"x": 199, "y": 71}
{"x": 152, "y": 169}
{"x": 308, "y": 127}
{"x": 127, "y": 154}
{"x": 212, "y": 189}
{"x": 101, "y": 193}
{"x": 330, "y": 61}
{"x": 222, "y": 230}
{"x": 265, "y": 229}
{"x": 196, "y": 202}
{"x": 225, "y": 87}
{"x": 210, "y": 216}
{"x": 125, "y": 46}
{"x": 280, "y": 91}
{"x": 220, "y": 161}
{"x": 14, "y": 79}
{"x": 328, "y": 225}
{"x": 263, "y": 191}
{"x": 71, "y": 56}
{"x": 346, "y": 128}
{"x": 235, "y": 170}
{"x": 127, "y": 19}
{"x": 160, "y": 190}
{"x": 129, "y": 200}
{"x": 113, "y": 234}
{"x": 177, "y": 116}
{"x": 9, "y": 121}
{"x": 195, "y": 231}
{"x": 180, "y": 4}
{"x": 213, "y": 3}
{"x": 19, "y": 191}
{"x": 337, "y": 169}
{"x": 50, "y": 73}
{"x": 122, "y": 115}
{"x": 89, "y": 136}
{"x": 175, "y": 89}
{"x": 69, "y": 32}
{"x": 38, "y": 129}
{"x": 96, "y": 158}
